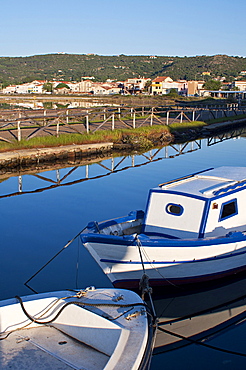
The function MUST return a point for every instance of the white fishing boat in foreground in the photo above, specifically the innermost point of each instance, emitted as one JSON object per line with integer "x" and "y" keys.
{"x": 193, "y": 230}
{"x": 89, "y": 329}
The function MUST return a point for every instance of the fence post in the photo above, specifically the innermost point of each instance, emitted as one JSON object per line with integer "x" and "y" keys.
{"x": 113, "y": 122}
{"x": 151, "y": 117}
{"x": 44, "y": 117}
{"x": 134, "y": 120}
{"x": 181, "y": 117}
{"x": 193, "y": 115}
{"x": 167, "y": 117}
{"x": 57, "y": 128}
{"x": 87, "y": 124}
{"x": 18, "y": 128}
{"x": 67, "y": 116}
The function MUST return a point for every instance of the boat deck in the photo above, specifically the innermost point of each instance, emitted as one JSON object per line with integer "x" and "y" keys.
{"x": 47, "y": 348}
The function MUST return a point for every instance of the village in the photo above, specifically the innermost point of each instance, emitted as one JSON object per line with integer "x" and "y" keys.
{"x": 161, "y": 85}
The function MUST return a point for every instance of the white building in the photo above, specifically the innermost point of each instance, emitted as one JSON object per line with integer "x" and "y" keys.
{"x": 27, "y": 88}
{"x": 241, "y": 85}
{"x": 104, "y": 89}
{"x": 11, "y": 89}
{"x": 162, "y": 85}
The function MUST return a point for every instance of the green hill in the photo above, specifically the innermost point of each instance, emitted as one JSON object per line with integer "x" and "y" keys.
{"x": 69, "y": 67}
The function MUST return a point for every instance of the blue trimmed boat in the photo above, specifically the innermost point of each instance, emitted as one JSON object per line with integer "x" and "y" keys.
{"x": 193, "y": 230}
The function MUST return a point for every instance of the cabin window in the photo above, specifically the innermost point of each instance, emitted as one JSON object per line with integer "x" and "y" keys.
{"x": 228, "y": 209}
{"x": 174, "y": 209}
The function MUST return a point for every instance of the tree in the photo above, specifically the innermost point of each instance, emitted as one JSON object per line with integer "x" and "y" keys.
{"x": 173, "y": 93}
{"x": 62, "y": 85}
{"x": 212, "y": 85}
{"x": 147, "y": 85}
{"x": 48, "y": 87}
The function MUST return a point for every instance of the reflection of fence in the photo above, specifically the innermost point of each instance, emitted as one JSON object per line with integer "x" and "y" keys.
{"x": 226, "y": 136}
{"x": 112, "y": 165}
{"x": 26, "y": 124}
{"x": 102, "y": 168}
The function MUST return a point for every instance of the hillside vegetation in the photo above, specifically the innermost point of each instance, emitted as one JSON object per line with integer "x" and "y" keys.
{"x": 69, "y": 67}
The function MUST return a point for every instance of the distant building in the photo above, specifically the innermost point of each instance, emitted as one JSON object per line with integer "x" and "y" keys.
{"x": 87, "y": 78}
{"x": 162, "y": 85}
{"x": 194, "y": 87}
{"x": 159, "y": 85}
{"x": 62, "y": 90}
{"x": 9, "y": 89}
{"x": 85, "y": 86}
{"x": 104, "y": 89}
{"x": 182, "y": 87}
{"x": 34, "y": 87}
{"x": 134, "y": 85}
{"x": 241, "y": 85}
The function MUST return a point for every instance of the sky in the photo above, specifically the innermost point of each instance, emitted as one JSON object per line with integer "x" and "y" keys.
{"x": 130, "y": 27}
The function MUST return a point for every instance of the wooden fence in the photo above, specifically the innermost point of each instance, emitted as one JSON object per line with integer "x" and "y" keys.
{"x": 104, "y": 167}
{"x": 25, "y": 124}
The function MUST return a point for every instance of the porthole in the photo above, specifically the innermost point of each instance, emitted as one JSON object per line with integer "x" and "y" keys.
{"x": 174, "y": 209}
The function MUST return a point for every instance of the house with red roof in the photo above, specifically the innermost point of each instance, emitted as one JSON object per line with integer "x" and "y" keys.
{"x": 162, "y": 85}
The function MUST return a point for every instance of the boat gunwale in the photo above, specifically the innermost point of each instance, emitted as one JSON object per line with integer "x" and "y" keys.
{"x": 145, "y": 240}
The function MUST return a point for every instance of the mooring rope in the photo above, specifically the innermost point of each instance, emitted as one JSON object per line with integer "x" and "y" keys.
{"x": 144, "y": 282}
{"x": 51, "y": 259}
{"x": 78, "y": 304}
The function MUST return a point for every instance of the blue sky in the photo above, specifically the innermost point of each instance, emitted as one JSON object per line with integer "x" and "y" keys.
{"x": 131, "y": 27}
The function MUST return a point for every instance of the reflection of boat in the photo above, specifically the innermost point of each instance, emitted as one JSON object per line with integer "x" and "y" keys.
{"x": 198, "y": 317}
{"x": 89, "y": 329}
{"x": 193, "y": 230}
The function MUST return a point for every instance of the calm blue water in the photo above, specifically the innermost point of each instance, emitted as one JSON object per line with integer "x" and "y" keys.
{"x": 36, "y": 225}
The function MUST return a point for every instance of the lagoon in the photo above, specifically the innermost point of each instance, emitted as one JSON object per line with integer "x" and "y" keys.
{"x": 42, "y": 211}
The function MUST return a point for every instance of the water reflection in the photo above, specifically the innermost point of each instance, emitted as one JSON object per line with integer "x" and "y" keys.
{"x": 64, "y": 103}
{"x": 35, "y": 226}
{"x": 198, "y": 315}
{"x": 80, "y": 173}
{"x": 55, "y": 175}
{"x": 202, "y": 319}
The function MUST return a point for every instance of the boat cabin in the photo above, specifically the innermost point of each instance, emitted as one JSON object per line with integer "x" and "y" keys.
{"x": 210, "y": 203}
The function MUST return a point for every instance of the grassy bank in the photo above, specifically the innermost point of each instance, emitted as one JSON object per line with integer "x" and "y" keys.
{"x": 224, "y": 119}
{"x": 143, "y": 136}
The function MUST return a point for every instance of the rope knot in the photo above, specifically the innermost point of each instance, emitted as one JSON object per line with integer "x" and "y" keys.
{"x": 144, "y": 285}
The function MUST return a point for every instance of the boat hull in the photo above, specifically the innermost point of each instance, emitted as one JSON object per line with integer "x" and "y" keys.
{"x": 98, "y": 329}
{"x": 167, "y": 262}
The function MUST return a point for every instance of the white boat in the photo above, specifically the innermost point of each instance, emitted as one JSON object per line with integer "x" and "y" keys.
{"x": 87, "y": 329}
{"x": 193, "y": 230}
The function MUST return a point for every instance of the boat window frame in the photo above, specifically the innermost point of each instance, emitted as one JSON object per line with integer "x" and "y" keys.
{"x": 230, "y": 215}
{"x": 175, "y": 205}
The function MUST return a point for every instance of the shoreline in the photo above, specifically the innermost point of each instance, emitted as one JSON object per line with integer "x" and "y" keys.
{"x": 20, "y": 160}
{"x": 24, "y": 158}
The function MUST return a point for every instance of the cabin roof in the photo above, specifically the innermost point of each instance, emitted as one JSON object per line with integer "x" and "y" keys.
{"x": 209, "y": 183}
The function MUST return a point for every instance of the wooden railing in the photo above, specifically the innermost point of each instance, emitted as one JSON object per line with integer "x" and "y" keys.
{"x": 25, "y": 124}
